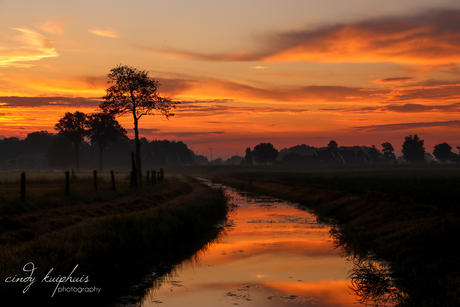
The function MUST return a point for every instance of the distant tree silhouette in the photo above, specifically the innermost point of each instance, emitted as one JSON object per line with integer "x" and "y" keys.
{"x": 374, "y": 154}
{"x": 413, "y": 150}
{"x": 388, "y": 152}
{"x": 443, "y": 152}
{"x": 264, "y": 153}
{"x": 59, "y": 152}
{"x": 166, "y": 152}
{"x": 10, "y": 148}
{"x": 103, "y": 128}
{"x": 332, "y": 146}
{"x": 72, "y": 125}
{"x": 248, "y": 157}
{"x": 38, "y": 142}
{"x": 134, "y": 93}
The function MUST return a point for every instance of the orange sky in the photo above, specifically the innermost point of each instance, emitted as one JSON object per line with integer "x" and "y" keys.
{"x": 289, "y": 73}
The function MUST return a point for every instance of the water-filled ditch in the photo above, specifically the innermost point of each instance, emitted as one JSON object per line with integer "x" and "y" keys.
{"x": 269, "y": 253}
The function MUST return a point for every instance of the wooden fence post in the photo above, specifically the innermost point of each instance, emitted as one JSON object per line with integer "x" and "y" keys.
{"x": 67, "y": 183}
{"x": 113, "y": 180}
{"x": 148, "y": 177}
{"x": 162, "y": 174}
{"x": 23, "y": 187}
{"x": 95, "y": 179}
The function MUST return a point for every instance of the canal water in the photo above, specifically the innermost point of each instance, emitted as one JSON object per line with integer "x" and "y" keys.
{"x": 270, "y": 253}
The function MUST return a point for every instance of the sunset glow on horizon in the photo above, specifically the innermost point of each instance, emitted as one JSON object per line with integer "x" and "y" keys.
{"x": 359, "y": 72}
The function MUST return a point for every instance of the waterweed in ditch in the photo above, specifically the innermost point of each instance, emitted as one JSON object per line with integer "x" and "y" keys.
{"x": 371, "y": 282}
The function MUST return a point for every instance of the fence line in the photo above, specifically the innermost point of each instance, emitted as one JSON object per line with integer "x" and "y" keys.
{"x": 153, "y": 177}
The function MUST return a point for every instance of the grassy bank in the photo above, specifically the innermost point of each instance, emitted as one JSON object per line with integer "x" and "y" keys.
{"x": 112, "y": 242}
{"x": 409, "y": 217}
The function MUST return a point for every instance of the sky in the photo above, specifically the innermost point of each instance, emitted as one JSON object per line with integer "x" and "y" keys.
{"x": 290, "y": 72}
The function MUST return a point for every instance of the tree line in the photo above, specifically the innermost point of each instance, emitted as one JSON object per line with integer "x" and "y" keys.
{"x": 57, "y": 152}
{"x": 413, "y": 151}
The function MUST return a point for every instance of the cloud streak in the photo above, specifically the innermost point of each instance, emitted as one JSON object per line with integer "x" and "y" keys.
{"x": 405, "y": 126}
{"x": 48, "y": 101}
{"x": 104, "y": 33}
{"x": 216, "y": 88}
{"x": 34, "y": 47}
{"x": 404, "y": 108}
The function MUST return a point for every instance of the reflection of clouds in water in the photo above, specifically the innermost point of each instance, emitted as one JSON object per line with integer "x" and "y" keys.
{"x": 271, "y": 255}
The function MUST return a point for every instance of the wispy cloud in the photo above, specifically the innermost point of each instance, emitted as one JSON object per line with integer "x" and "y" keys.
{"x": 405, "y": 126}
{"x": 395, "y": 80}
{"x": 33, "y": 47}
{"x": 46, "y": 101}
{"x": 217, "y": 88}
{"x": 191, "y": 133}
{"x": 394, "y": 108}
{"x": 53, "y": 26}
{"x": 105, "y": 33}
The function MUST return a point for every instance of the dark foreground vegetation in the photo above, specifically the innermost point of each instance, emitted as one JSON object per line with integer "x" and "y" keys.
{"x": 407, "y": 215}
{"x": 107, "y": 243}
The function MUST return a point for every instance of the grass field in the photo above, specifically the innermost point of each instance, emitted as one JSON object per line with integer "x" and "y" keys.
{"x": 49, "y": 190}
{"x": 114, "y": 238}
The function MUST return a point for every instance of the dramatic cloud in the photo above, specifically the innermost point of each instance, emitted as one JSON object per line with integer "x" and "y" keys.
{"x": 429, "y": 38}
{"x": 105, "y": 33}
{"x": 405, "y": 126}
{"x": 34, "y": 47}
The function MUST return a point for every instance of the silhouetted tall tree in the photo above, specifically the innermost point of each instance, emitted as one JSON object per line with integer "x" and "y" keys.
{"x": 248, "y": 157}
{"x": 103, "y": 128}
{"x": 413, "y": 150}
{"x": 134, "y": 93}
{"x": 72, "y": 125}
{"x": 388, "y": 152}
{"x": 443, "y": 152}
{"x": 264, "y": 153}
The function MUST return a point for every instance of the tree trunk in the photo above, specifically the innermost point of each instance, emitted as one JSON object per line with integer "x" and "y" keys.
{"x": 138, "y": 150}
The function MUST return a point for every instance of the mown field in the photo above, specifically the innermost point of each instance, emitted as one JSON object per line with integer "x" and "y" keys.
{"x": 114, "y": 237}
{"x": 408, "y": 215}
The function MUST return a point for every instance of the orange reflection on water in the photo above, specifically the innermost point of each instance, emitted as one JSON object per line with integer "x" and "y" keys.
{"x": 272, "y": 254}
